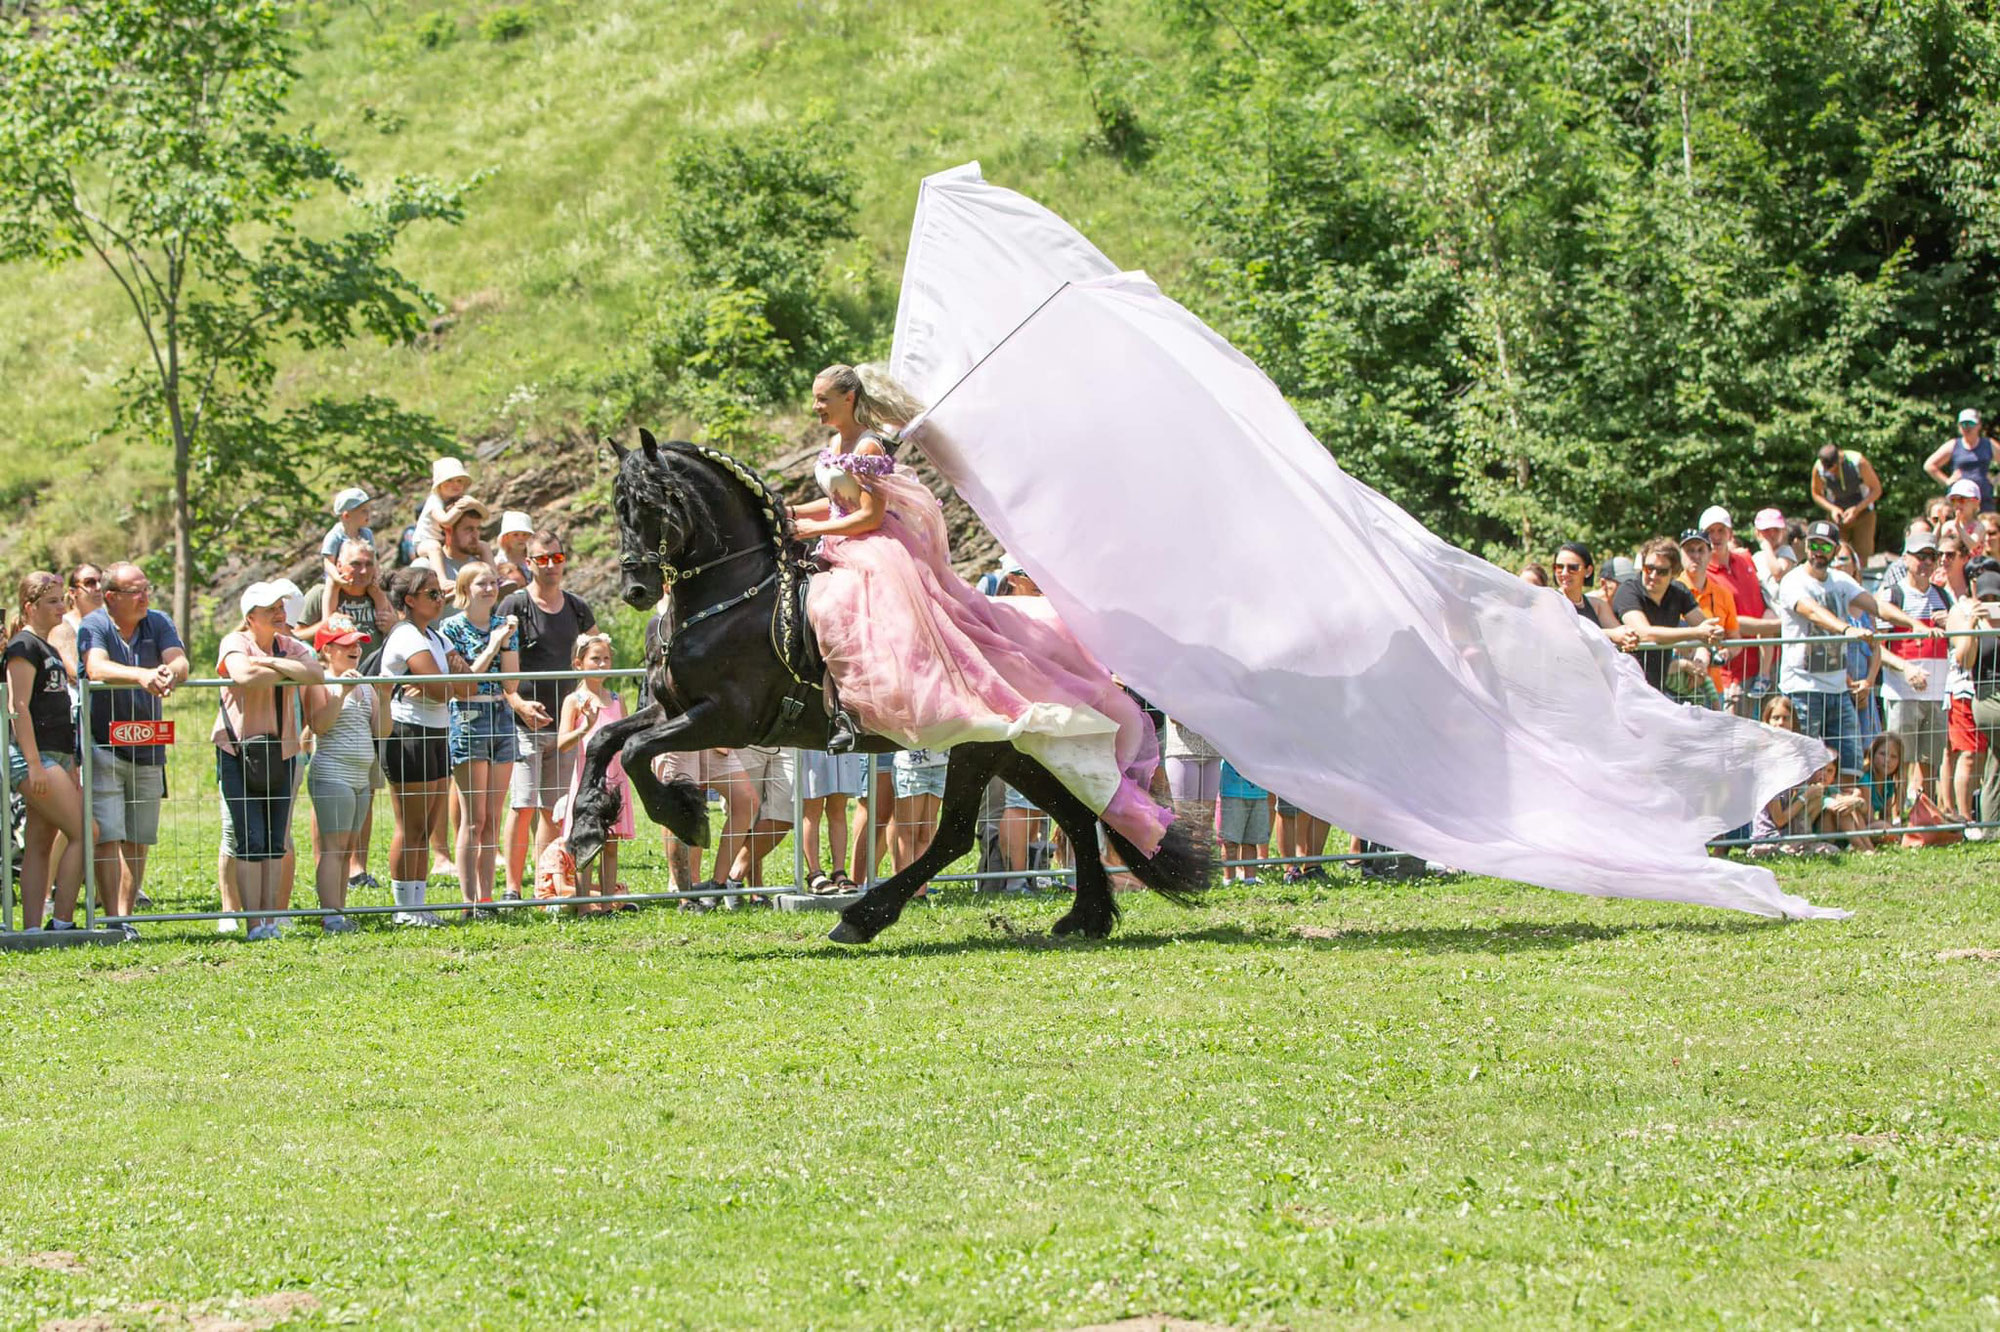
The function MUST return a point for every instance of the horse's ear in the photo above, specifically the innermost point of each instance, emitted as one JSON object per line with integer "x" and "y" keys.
{"x": 649, "y": 444}
{"x": 618, "y": 451}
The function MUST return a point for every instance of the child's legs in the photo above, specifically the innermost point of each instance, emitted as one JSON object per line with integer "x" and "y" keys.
{"x": 809, "y": 821}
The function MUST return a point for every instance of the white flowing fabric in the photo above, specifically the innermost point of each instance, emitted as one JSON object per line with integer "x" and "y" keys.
{"x": 1193, "y": 534}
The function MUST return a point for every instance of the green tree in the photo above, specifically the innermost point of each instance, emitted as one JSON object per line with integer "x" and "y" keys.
{"x": 1581, "y": 267}
{"x": 150, "y": 136}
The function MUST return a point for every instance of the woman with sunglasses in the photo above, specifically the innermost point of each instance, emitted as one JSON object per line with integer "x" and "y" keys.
{"x": 1663, "y": 613}
{"x": 417, "y": 756}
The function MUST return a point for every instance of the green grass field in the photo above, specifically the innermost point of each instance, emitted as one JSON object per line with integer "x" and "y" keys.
{"x": 1460, "y": 1103}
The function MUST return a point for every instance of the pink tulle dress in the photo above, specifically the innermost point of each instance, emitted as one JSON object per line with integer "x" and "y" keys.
{"x": 929, "y": 662}
{"x": 624, "y": 828}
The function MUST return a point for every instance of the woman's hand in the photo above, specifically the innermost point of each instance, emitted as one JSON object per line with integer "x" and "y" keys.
{"x": 456, "y": 664}
{"x": 501, "y": 632}
{"x": 806, "y": 529}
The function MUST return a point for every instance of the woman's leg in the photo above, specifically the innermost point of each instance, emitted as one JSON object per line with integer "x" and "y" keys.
{"x": 836, "y": 833}
{"x": 469, "y": 781}
{"x": 35, "y": 876}
{"x": 492, "y": 815}
{"x": 1014, "y": 839}
{"x": 416, "y": 806}
{"x": 739, "y": 812}
{"x": 809, "y": 821}
{"x": 330, "y": 869}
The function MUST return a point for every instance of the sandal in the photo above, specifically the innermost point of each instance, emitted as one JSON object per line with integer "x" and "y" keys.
{"x": 820, "y": 884}
{"x": 842, "y": 883}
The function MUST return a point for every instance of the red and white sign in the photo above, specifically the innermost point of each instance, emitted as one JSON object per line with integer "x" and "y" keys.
{"x": 142, "y": 733}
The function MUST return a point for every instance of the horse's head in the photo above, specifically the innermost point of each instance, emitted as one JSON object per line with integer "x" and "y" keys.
{"x": 653, "y": 523}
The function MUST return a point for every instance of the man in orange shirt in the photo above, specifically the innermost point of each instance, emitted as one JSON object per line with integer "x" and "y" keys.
{"x": 1717, "y": 602}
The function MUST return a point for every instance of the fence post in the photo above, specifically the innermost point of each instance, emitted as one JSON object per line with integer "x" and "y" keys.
{"x": 798, "y": 820}
{"x": 85, "y": 768}
{"x": 874, "y": 820}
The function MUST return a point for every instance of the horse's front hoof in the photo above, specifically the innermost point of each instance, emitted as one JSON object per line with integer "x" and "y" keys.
{"x": 845, "y": 933}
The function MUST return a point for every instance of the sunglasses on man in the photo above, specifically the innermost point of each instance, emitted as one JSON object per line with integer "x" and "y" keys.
{"x": 555, "y": 561}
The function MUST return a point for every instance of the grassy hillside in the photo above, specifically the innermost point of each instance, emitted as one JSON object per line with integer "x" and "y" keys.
{"x": 557, "y": 258}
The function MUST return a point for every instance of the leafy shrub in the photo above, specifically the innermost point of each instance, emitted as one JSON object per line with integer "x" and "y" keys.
{"x": 745, "y": 315}
{"x": 507, "y": 23}
{"x": 435, "y": 30}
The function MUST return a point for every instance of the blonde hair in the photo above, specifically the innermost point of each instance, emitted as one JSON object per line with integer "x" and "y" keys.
{"x": 584, "y": 643}
{"x": 32, "y": 588}
{"x": 880, "y": 403}
{"x": 461, "y": 587}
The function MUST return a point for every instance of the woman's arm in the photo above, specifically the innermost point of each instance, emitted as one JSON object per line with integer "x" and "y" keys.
{"x": 818, "y": 508}
{"x": 323, "y": 707}
{"x": 1935, "y": 465}
{"x": 425, "y": 663}
{"x": 21, "y": 688}
{"x": 865, "y": 517}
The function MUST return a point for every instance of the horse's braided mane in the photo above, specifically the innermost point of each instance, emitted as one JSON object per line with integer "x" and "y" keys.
{"x": 776, "y": 513}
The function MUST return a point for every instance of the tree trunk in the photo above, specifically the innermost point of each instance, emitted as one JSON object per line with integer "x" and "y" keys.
{"x": 183, "y": 542}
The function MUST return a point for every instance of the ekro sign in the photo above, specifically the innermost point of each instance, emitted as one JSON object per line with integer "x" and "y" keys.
{"x": 142, "y": 733}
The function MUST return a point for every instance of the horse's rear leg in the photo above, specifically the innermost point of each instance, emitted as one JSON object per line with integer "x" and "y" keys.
{"x": 967, "y": 771}
{"x": 1095, "y": 910}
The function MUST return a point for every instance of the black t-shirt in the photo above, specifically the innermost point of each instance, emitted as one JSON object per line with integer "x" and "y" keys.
{"x": 1669, "y": 612}
{"x": 49, "y": 706}
{"x": 547, "y": 641}
{"x": 359, "y": 609}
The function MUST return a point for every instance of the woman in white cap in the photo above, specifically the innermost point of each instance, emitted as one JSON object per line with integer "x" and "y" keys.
{"x": 256, "y": 737}
{"x": 1969, "y": 455}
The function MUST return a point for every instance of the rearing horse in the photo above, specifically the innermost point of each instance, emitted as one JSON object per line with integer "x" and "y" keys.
{"x": 733, "y": 668}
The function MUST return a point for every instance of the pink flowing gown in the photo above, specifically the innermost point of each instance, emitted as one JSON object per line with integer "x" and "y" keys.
{"x": 929, "y": 662}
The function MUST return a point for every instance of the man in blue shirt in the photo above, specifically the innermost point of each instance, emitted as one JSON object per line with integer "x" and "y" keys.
{"x": 128, "y": 644}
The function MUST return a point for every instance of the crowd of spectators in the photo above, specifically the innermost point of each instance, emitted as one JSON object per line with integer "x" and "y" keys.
{"x": 481, "y": 772}
{"x": 1878, "y": 656}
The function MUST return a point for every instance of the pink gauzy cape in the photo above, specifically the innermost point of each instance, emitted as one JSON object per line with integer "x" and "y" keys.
{"x": 929, "y": 662}
{"x": 1200, "y": 542}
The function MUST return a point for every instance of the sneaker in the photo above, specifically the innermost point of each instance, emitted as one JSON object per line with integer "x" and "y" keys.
{"x": 228, "y": 926}
{"x": 131, "y": 933}
{"x": 1975, "y": 834}
{"x": 364, "y": 880}
{"x": 481, "y": 913}
{"x": 54, "y": 926}
{"x": 429, "y": 920}
{"x": 405, "y": 918}
{"x": 259, "y": 933}
{"x": 336, "y": 925}
{"x": 143, "y": 902}
{"x": 511, "y": 895}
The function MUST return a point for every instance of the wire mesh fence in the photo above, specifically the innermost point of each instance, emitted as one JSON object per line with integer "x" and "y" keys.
{"x": 180, "y": 829}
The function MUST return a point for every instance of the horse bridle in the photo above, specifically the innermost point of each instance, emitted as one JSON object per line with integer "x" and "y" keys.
{"x": 784, "y": 577}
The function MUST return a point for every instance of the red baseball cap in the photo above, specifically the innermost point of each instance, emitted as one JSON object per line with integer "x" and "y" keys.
{"x": 338, "y": 629}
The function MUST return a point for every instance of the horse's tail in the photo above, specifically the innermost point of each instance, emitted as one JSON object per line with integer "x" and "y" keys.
{"x": 1182, "y": 868}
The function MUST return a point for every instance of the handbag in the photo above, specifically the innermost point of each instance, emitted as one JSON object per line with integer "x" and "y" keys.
{"x": 266, "y": 772}
{"x": 1923, "y": 814}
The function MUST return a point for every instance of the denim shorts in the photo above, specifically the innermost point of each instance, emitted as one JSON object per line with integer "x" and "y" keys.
{"x": 920, "y": 773}
{"x": 483, "y": 728}
{"x": 17, "y": 764}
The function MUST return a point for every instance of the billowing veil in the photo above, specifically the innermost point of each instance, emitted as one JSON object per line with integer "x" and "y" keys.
{"x": 1202, "y": 543}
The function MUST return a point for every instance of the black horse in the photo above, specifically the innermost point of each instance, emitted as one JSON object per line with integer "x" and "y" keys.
{"x": 735, "y": 667}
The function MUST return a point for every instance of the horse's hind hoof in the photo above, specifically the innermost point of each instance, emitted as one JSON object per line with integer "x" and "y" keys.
{"x": 1075, "y": 924}
{"x": 845, "y": 933}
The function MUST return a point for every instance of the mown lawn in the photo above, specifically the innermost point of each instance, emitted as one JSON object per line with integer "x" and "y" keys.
{"x": 1458, "y": 1103}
